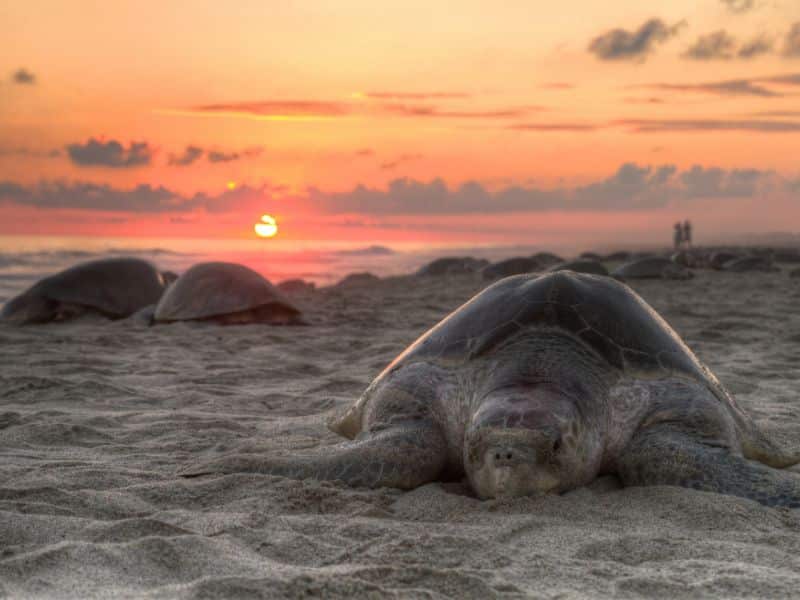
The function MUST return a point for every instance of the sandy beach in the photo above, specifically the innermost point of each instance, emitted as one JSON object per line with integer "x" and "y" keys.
{"x": 98, "y": 417}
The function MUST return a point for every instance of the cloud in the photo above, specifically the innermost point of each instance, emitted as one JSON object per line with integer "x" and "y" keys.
{"x": 683, "y": 125}
{"x": 755, "y": 47}
{"x": 97, "y": 153}
{"x": 403, "y": 158}
{"x": 621, "y": 44}
{"x": 30, "y": 152}
{"x": 423, "y": 110}
{"x": 218, "y": 156}
{"x": 140, "y": 199}
{"x": 415, "y": 95}
{"x": 23, "y": 77}
{"x": 632, "y": 187}
{"x": 791, "y": 45}
{"x": 278, "y": 109}
{"x": 190, "y": 155}
{"x": 365, "y": 152}
{"x": 716, "y": 45}
{"x": 732, "y": 87}
{"x": 739, "y": 6}
{"x": 545, "y": 127}
{"x": 720, "y": 45}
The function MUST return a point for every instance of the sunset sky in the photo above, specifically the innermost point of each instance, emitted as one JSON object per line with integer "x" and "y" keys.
{"x": 468, "y": 122}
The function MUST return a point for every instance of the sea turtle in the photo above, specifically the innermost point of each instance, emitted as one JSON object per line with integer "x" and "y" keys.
{"x": 749, "y": 263}
{"x": 453, "y": 265}
{"x": 511, "y": 266}
{"x": 547, "y": 259}
{"x": 591, "y": 267}
{"x": 226, "y": 293}
{"x": 538, "y": 385}
{"x": 590, "y": 256}
{"x": 653, "y": 267}
{"x": 112, "y": 287}
{"x": 718, "y": 259}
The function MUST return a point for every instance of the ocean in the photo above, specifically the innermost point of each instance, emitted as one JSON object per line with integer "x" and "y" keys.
{"x": 26, "y": 259}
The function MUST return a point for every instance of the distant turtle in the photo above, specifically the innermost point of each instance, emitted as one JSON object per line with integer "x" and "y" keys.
{"x": 547, "y": 259}
{"x": 749, "y": 263}
{"x": 538, "y": 385}
{"x": 590, "y": 256}
{"x": 653, "y": 267}
{"x": 511, "y": 266}
{"x": 619, "y": 256}
{"x": 113, "y": 287}
{"x": 226, "y": 293}
{"x": 718, "y": 259}
{"x": 296, "y": 286}
{"x": 787, "y": 255}
{"x": 591, "y": 267}
{"x": 358, "y": 280}
{"x": 453, "y": 265}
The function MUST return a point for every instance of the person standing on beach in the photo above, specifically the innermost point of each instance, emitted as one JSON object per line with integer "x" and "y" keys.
{"x": 678, "y": 235}
{"x": 687, "y": 234}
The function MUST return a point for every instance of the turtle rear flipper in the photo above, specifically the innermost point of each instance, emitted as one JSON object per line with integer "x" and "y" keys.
{"x": 662, "y": 455}
{"x": 405, "y": 455}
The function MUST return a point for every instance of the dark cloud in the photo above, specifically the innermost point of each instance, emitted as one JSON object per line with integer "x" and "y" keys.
{"x": 739, "y": 6}
{"x": 791, "y": 45}
{"x": 279, "y": 108}
{"x": 190, "y": 155}
{"x": 621, "y": 44}
{"x": 216, "y": 156}
{"x": 712, "y": 46}
{"x": 97, "y": 153}
{"x": 790, "y": 79}
{"x": 683, "y": 125}
{"x": 23, "y": 77}
{"x": 416, "y": 95}
{"x": 365, "y": 152}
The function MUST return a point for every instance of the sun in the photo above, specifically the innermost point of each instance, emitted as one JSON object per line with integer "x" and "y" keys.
{"x": 267, "y": 228}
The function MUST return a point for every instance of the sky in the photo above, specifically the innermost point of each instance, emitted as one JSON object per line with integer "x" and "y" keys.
{"x": 417, "y": 122}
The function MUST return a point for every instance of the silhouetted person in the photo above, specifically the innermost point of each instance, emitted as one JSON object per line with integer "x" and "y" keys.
{"x": 678, "y": 236}
{"x": 687, "y": 233}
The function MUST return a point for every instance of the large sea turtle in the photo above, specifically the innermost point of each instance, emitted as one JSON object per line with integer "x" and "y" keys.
{"x": 453, "y": 265}
{"x": 652, "y": 267}
{"x": 112, "y": 287}
{"x": 227, "y": 293}
{"x": 538, "y": 385}
{"x": 750, "y": 263}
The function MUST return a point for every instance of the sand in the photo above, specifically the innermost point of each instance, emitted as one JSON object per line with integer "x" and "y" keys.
{"x": 97, "y": 417}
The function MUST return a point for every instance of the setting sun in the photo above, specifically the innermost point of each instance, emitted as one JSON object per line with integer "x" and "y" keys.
{"x": 267, "y": 228}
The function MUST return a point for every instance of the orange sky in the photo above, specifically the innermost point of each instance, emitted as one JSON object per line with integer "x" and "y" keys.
{"x": 301, "y": 105}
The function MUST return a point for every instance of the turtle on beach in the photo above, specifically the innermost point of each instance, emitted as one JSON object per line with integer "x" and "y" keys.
{"x": 652, "y": 267}
{"x": 750, "y": 263}
{"x": 511, "y": 266}
{"x": 112, "y": 287}
{"x": 538, "y": 385}
{"x": 452, "y": 265}
{"x": 226, "y": 293}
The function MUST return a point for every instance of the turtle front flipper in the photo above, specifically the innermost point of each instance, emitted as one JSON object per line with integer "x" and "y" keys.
{"x": 405, "y": 455}
{"x": 664, "y": 455}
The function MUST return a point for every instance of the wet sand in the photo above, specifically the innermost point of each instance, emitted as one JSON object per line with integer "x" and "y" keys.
{"x": 97, "y": 417}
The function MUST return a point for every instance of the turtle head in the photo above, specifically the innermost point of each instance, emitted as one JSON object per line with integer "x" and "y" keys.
{"x": 525, "y": 442}
{"x": 29, "y": 308}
